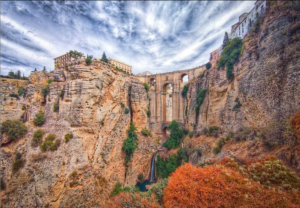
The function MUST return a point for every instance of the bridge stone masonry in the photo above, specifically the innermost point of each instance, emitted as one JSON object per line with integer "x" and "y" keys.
{"x": 157, "y": 92}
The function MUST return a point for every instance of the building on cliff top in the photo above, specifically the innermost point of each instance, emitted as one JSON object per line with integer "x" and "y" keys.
{"x": 247, "y": 20}
{"x": 63, "y": 60}
{"x": 120, "y": 65}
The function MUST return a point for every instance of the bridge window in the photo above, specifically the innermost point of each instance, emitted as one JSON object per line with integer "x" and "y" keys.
{"x": 184, "y": 78}
{"x": 152, "y": 81}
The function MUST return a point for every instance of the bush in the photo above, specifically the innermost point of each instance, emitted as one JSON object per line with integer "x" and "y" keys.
{"x": 56, "y": 107}
{"x": 131, "y": 200}
{"x": 73, "y": 183}
{"x": 68, "y": 137}
{"x": 270, "y": 171}
{"x": 46, "y": 90}
{"x": 148, "y": 113}
{"x": 230, "y": 55}
{"x": 208, "y": 65}
{"x": 130, "y": 144}
{"x": 213, "y": 131}
{"x": 62, "y": 93}
{"x": 49, "y": 81}
{"x": 49, "y": 143}
{"x": 38, "y": 157}
{"x": 200, "y": 98}
{"x": 191, "y": 134}
{"x": 18, "y": 155}
{"x": 158, "y": 190}
{"x": 242, "y": 134}
{"x": 117, "y": 189}
{"x": 39, "y": 119}
{"x": 14, "y": 129}
{"x": 176, "y": 136}
{"x": 37, "y": 138}
{"x": 165, "y": 168}
{"x": 185, "y": 90}
{"x": 141, "y": 177}
{"x": 146, "y": 87}
{"x": 88, "y": 60}
{"x": 238, "y": 105}
{"x": 17, "y": 165}
{"x": 126, "y": 110}
{"x": 278, "y": 133}
{"x": 217, "y": 149}
{"x": 146, "y": 132}
{"x": 23, "y": 107}
{"x": 217, "y": 186}
{"x": 21, "y": 91}
{"x": 14, "y": 95}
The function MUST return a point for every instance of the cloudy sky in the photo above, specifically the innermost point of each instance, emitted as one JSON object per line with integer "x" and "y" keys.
{"x": 154, "y": 36}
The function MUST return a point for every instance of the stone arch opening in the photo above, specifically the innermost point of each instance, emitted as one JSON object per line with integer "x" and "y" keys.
{"x": 167, "y": 94}
{"x": 152, "y": 81}
{"x": 184, "y": 78}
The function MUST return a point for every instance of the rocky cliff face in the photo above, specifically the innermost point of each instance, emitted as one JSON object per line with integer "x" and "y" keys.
{"x": 266, "y": 79}
{"x": 266, "y": 82}
{"x": 92, "y": 101}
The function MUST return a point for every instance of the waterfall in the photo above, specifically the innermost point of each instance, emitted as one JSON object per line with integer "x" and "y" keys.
{"x": 152, "y": 173}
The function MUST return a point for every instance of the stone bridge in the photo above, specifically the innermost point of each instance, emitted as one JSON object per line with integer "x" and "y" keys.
{"x": 157, "y": 93}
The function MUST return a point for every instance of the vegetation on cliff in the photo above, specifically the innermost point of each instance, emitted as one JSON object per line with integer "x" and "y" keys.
{"x": 39, "y": 118}
{"x": 295, "y": 123}
{"x": 185, "y": 90}
{"x": 146, "y": 87}
{"x": 37, "y": 138}
{"x": 176, "y": 136}
{"x": 230, "y": 56}
{"x": 14, "y": 129}
{"x": 104, "y": 58}
{"x": 165, "y": 167}
{"x": 131, "y": 143}
{"x": 49, "y": 143}
{"x": 200, "y": 98}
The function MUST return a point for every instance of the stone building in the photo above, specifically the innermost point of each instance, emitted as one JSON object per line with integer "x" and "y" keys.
{"x": 247, "y": 20}
{"x": 121, "y": 65}
{"x": 62, "y": 60}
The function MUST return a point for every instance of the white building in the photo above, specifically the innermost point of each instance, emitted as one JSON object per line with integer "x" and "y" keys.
{"x": 247, "y": 20}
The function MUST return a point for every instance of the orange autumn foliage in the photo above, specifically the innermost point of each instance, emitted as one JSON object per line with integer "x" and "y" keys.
{"x": 295, "y": 123}
{"x": 218, "y": 186}
{"x": 131, "y": 200}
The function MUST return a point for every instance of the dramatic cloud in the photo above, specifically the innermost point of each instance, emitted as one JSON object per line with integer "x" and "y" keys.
{"x": 149, "y": 35}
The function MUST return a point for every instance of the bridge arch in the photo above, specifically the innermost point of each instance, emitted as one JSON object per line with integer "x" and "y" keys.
{"x": 184, "y": 78}
{"x": 158, "y": 95}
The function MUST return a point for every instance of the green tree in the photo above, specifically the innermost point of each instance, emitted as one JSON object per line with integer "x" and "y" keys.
{"x": 39, "y": 119}
{"x": 176, "y": 136}
{"x": 117, "y": 189}
{"x": 44, "y": 69}
{"x": 35, "y": 69}
{"x": 130, "y": 144}
{"x": 104, "y": 59}
{"x": 11, "y": 74}
{"x": 56, "y": 107}
{"x": 88, "y": 60}
{"x": 208, "y": 65}
{"x": 14, "y": 129}
{"x": 21, "y": 91}
{"x": 225, "y": 40}
{"x": 37, "y": 138}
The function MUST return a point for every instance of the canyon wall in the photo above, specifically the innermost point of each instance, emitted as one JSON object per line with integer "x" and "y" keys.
{"x": 266, "y": 80}
{"x": 92, "y": 101}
